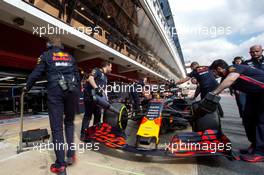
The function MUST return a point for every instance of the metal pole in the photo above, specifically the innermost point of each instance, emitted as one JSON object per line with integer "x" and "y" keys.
{"x": 20, "y": 146}
{"x": 42, "y": 101}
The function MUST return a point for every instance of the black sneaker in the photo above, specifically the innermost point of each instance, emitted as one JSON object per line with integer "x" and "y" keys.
{"x": 82, "y": 137}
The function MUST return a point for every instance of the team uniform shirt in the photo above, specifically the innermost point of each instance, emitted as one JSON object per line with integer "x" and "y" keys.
{"x": 57, "y": 65}
{"x": 205, "y": 78}
{"x": 251, "y": 80}
{"x": 99, "y": 78}
{"x": 259, "y": 64}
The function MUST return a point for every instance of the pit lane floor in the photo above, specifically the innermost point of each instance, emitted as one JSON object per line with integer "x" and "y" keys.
{"x": 111, "y": 162}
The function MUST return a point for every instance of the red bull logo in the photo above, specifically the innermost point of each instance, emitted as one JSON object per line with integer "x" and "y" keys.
{"x": 61, "y": 56}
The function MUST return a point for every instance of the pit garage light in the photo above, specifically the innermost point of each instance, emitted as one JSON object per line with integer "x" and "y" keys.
{"x": 54, "y": 21}
{"x": 7, "y": 84}
{"x": 21, "y": 78}
{"x": 39, "y": 82}
{"x": 6, "y": 78}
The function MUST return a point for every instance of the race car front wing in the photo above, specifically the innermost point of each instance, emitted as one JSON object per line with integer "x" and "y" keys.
{"x": 183, "y": 145}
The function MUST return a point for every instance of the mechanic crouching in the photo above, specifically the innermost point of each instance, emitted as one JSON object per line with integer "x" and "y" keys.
{"x": 250, "y": 81}
{"x": 63, "y": 94}
{"x": 97, "y": 82}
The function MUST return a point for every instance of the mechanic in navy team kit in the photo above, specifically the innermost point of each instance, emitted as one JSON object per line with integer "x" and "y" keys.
{"x": 239, "y": 96}
{"x": 251, "y": 104}
{"x": 204, "y": 76}
{"x": 257, "y": 59}
{"x": 96, "y": 81}
{"x": 63, "y": 93}
{"x": 197, "y": 90}
{"x": 136, "y": 95}
{"x": 250, "y": 81}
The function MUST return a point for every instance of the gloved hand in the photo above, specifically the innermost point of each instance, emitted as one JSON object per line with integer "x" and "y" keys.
{"x": 98, "y": 92}
{"x": 25, "y": 90}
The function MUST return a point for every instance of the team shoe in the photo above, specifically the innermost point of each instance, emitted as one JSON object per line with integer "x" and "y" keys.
{"x": 249, "y": 150}
{"x": 60, "y": 170}
{"x": 71, "y": 160}
{"x": 82, "y": 134}
{"x": 253, "y": 158}
{"x": 82, "y": 137}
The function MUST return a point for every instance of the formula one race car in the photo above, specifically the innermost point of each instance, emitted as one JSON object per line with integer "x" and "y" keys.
{"x": 206, "y": 138}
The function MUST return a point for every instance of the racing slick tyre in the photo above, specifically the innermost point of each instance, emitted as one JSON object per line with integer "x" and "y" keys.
{"x": 117, "y": 120}
{"x": 208, "y": 121}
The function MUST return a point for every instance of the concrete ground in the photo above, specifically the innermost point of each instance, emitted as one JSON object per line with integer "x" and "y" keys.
{"x": 113, "y": 162}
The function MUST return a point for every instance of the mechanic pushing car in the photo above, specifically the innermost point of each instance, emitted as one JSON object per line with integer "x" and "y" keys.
{"x": 96, "y": 81}
{"x": 63, "y": 92}
{"x": 251, "y": 102}
{"x": 204, "y": 76}
{"x": 250, "y": 81}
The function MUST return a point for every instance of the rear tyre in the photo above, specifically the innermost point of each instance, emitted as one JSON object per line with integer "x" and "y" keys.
{"x": 117, "y": 120}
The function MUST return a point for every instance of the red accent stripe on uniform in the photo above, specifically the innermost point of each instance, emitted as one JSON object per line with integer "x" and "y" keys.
{"x": 251, "y": 80}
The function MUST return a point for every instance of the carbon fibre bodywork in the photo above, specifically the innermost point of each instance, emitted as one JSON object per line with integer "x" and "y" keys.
{"x": 208, "y": 140}
{"x": 182, "y": 145}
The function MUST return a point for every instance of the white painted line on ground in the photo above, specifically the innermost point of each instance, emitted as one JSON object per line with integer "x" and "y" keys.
{"x": 106, "y": 167}
{"x": 194, "y": 170}
{"x": 193, "y": 167}
{"x": 12, "y": 157}
{"x": 112, "y": 168}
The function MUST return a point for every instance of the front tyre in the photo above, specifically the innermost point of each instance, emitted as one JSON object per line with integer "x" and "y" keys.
{"x": 117, "y": 120}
